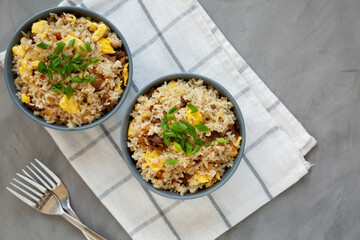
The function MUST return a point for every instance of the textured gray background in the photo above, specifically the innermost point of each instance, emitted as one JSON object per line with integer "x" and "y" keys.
{"x": 307, "y": 52}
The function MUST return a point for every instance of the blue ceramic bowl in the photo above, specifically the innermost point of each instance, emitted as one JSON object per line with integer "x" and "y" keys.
{"x": 10, "y": 76}
{"x": 131, "y": 163}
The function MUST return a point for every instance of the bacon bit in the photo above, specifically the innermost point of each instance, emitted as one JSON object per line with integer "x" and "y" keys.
{"x": 183, "y": 102}
{"x": 97, "y": 84}
{"x": 159, "y": 174}
{"x": 110, "y": 57}
{"x": 233, "y": 130}
{"x": 214, "y": 135}
{"x": 120, "y": 54}
{"x": 58, "y": 36}
{"x": 143, "y": 144}
{"x": 151, "y": 107}
{"x": 155, "y": 141}
{"x": 31, "y": 36}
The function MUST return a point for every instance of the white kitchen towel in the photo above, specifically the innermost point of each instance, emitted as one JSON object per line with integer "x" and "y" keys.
{"x": 167, "y": 38}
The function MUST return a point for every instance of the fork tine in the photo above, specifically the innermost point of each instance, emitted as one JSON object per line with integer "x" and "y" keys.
{"x": 44, "y": 176}
{"x": 28, "y": 175}
{"x": 28, "y": 188}
{"x": 57, "y": 180}
{"x": 22, "y": 198}
{"x": 39, "y": 178}
{"x": 35, "y": 184}
{"x": 27, "y": 193}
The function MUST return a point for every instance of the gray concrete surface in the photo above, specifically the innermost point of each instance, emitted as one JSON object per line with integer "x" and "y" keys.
{"x": 307, "y": 52}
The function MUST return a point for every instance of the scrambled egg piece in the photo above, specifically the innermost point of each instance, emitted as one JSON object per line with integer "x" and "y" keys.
{"x": 23, "y": 69}
{"x": 118, "y": 87}
{"x": 234, "y": 150}
{"x": 77, "y": 43}
{"x": 172, "y": 84}
{"x": 101, "y": 30}
{"x": 73, "y": 19}
{"x": 19, "y": 50}
{"x": 220, "y": 115}
{"x": 69, "y": 105}
{"x": 25, "y": 98}
{"x": 214, "y": 180}
{"x": 202, "y": 178}
{"x": 93, "y": 26}
{"x": 193, "y": 118}
{"x": 39, "y": 27}
{"x": 44, "y": 34}
{"x": 152, "y": 158}
{"x": 106, "y": 46}
{"x": 125, "y": 73}
{"x": 35, "y": 63}
{"x": 131, "y": 126}
{"x": 237, "y": 143}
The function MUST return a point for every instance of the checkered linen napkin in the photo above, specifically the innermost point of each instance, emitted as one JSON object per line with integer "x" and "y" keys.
{"x": 170, "y": 38}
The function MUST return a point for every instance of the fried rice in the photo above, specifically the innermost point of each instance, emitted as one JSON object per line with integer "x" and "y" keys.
{"x": 164, "y": 146}
{"x": 93, "y": 91}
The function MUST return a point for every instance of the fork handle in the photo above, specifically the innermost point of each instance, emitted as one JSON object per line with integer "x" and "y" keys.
{"x": 71, "y": 212}
{"x": 82, "y": 227}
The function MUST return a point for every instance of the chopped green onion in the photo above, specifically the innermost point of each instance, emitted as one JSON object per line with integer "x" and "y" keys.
{"x": 62, "y": 75}
{"x": 81, "y": 48}
{"x": 196, "y": 149}
{"x": 43, "y": 45}
{"x": 191, "y": 130}
{"x": 55, "y": 61}
{"x": 42, "y": 67}
{"x": 222, "y": 140}
{"x": 85, "y": 65}
{"x": 170, "y": 116}
{"x": 88, "y": 46}
{"x": 50, "y": 74}
{"x": 178, "y": 147}
{"x": 89, "y": 79}
{"x": 163, "y": 123}
{"x": 76, "y": 80}
{"x": 76, "y": 67}
{"x": 171, "y": 161}
{"x": 51, "y": 56}
{"x": 71, "y": 42}
{"x": 202, "y": 127}
{"x": 178, "y": 127}
{"x": 198, "y": 141}
{"x": 166, "y": 140}
{"x": 82, "y": 104}
{"x": 68, "y": 69}
{"x": 69, "y": 91}
{"x": 77, "y": 55}
{"x": 59, "y": 48}
{"x": 94, "y": 60}
{"x": 188, "y": 148}
{"x": 53, "y": 88}
{"x": 65, "y": 57}
{"x": 193, "y": 108}
{"x": 208, "y": 144}
{"x": 173, "y": 109}
{"x": 170, "y": 134}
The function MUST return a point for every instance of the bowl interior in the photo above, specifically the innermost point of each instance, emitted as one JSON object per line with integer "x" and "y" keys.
{"x": 127, "y": 154}
{"x": 10, "y": 76}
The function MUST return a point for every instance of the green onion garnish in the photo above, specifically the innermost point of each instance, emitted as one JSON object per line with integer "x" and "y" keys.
{"x": 178, "y": 147}
{"x": 85, "y": 65}
{"x": 42, "y": 67}
{"x": 193, "y": 108}
{"x": 42, "y": 45}
{"x": 89, "y": 79}
{"x": 196, "y": 149}
{"x": 188, "y": 148}
{"x": 222, "y": 140}
{"x": 171, "y": 161}
{"x": 71, "y": 42}
{"x": 75, "y": 80}
{"x": 94, "y": 60}
{"x": 173, "y": 109}
{"x": 88, "y": 46}
{"x": 208, "y": 144}
{"x": 59, "y": 48}
{"x": 170, "y": 116}
{"x": 202, "y": 127}
{"x": 69, "y": 91}
{"x": 81, "y": 48}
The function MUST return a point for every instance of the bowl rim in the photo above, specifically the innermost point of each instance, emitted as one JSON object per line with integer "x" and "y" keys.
{"x": 125, "y": 124}
{"x": 10, "y": 77}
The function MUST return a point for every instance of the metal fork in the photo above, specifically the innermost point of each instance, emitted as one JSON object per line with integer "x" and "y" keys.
{"x": 56, "y": 186}
{"x": 45, "y": 201}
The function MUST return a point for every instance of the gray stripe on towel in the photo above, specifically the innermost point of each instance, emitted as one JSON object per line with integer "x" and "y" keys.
{"x": 253, "y": 170}
{"x": 274, "y": 105}
{"x": 115, "y": 8}
{"x": 243, "y": 68}
{"x": 167, "y": 27}
{"x": 205, "y": 59}
{"x": 161, "y": 212}
{"x": 166, "y": 44}
{"x": 218, "y": 209}
{"x": 115, "y": 186}
{"x": 261, "y": 139}
{"x": 242, "y": 92}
